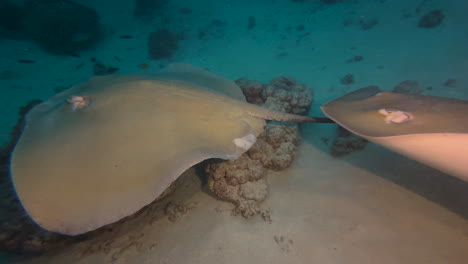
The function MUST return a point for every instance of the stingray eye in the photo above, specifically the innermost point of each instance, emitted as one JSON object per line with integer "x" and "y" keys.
{"x": 395, "y": 116}
{"x": 78, "y": 101}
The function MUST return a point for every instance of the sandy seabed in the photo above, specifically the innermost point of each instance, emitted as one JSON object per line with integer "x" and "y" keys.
{"x": 324, "y": 210}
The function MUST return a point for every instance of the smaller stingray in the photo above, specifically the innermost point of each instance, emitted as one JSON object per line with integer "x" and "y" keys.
{"x": 432, "y": 130}
{"x": 102, "y": 150}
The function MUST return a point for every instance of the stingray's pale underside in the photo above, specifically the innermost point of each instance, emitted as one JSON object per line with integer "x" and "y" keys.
{"x": 429, "y": 129}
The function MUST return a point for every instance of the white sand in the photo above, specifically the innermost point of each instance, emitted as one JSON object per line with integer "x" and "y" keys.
{"x": 332, "y": 210}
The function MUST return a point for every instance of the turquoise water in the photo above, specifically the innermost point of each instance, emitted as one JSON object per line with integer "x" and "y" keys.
{"x": 332, "y": 47}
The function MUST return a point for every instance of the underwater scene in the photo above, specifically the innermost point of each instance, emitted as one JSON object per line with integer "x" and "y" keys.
{"x": 268, "y": 131}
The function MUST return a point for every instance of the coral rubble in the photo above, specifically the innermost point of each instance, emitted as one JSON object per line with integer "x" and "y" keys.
{"x": 347, "y": 79}
{"x": 346, "y": 142}
{"x": 215, "y": 30}
{"x": 450, "y": 83}
{"x": 432, "y": 19}
{"x": 162, "y": 44}
{"x": 408, "y": 87}
{"x": 61, "y": 26}
{"x": 147, "y": 9}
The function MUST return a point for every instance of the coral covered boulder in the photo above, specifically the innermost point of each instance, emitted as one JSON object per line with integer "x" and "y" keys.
{"x": 282, "y": 94}
{"x": 276, "y": 147}
{"x": 242, "y": 181}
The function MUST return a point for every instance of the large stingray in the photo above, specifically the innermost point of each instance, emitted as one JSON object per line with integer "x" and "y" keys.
{"x": 102, "y": 150}
{"x": 429, "y": 129}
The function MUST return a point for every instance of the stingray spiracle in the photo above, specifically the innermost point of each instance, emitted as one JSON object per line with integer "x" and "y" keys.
{"x": 78, "y": 101}
{"x": 395, "y": 116}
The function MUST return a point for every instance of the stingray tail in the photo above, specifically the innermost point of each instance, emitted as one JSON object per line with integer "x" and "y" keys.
{"x": 284, "y": 117}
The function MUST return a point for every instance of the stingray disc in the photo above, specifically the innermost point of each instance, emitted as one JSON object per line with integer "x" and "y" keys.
{"x": 102, "y": 150}
{"x": 429, "y": 129}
